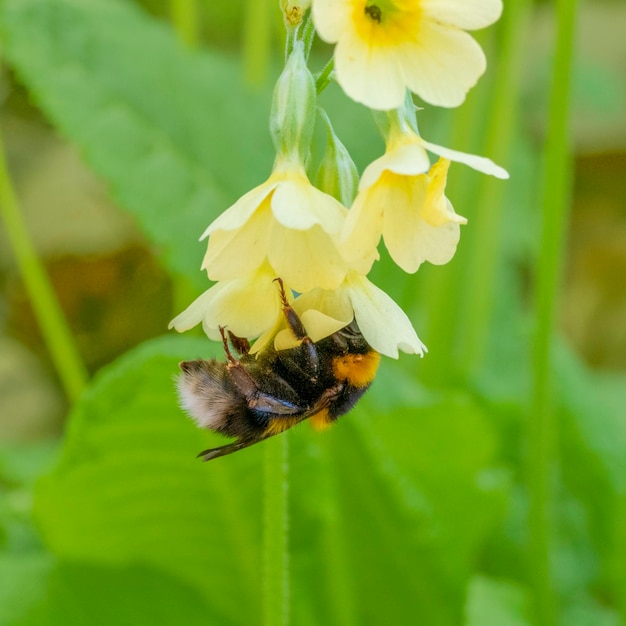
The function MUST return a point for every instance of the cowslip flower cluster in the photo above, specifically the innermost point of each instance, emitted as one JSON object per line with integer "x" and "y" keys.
{"x": 303, "y": 233}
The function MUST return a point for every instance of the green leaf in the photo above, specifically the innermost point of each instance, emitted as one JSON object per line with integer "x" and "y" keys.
{"x": 176, "y": 134}
{"x": 129, "y": 490}
{"x": 37, "y": 592}
{"x": 374, "y": 503}
{"x": 376, "y": 509}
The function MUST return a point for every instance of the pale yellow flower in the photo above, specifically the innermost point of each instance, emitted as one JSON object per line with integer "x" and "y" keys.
{"x": 285, "y": 222}
{"x": 403, "y": 201}
{"x": 386, "y": 46}
{"x": 381, "y": 321}
{"x": 247, "y": 306}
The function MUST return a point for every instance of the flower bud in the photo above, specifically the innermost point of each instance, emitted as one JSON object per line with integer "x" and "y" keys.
{"x": 337, "y": 175}
{"x": 294, "y": 10}
{"x": 292, "y": 116}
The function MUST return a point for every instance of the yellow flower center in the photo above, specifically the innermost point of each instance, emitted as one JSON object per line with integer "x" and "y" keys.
{"x": 386, "y": 22}
{"x": 435, "y": 208}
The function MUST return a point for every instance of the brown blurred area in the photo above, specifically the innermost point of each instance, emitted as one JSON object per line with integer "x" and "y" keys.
{"x": 108, "y": 280}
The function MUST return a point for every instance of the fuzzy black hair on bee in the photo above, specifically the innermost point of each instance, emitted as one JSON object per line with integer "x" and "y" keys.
{"x": 252, "y": 398}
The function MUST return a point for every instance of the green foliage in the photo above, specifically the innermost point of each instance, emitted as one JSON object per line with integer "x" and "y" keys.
{"x": 413, "y": 509}
{"x": 128, "y": 499}
{"x": 154, "y": 120}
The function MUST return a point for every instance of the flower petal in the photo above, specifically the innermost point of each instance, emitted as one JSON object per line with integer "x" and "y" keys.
{"x": 247, "y": 306}
{"x": 235, "y": 253}
{"x": 369, "y": 74}
{"x": 410, "y": 247}
{"x": 403, "y": 225}
{"x": 331, "y": 18}
{"x": 441, "y": 64}
{"x": 298, "y": 205}
{"x": 193, "y": 314}
{"x": 305, "y": 259}
{"x": 363, "y": 228}
{"x": 332, "y": 303}
{"x": 466, "y": 14}
{"x": 240, "y": 212}
{"x": 318, "y": 326}
{"x": 480, "y": 164}
{"x": 382, "y": 322}
{"x": 409, "y": 159}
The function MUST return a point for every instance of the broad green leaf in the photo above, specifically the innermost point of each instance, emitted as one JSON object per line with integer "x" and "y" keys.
{"x": 35, "y": 591}
{"x": 174, "y": 133}
{"x": 399, "y": 481}
{"x": 129, "y": 490}
{"x": 374, "y": 503}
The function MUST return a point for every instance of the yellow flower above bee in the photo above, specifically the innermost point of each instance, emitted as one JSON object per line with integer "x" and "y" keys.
{"x": 285, "y": 222}
{"x": 386, "y": 46}
{"x": 247, "y": 305}
{"x": 402, "y": 199}
{"x": 383, "y": 324}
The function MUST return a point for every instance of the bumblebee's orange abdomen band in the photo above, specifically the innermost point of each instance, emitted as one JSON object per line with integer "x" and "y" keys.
{"x": 357, "y": 370}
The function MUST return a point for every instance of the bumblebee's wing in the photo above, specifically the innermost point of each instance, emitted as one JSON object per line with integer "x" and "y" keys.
{"x": 322, "y": 403}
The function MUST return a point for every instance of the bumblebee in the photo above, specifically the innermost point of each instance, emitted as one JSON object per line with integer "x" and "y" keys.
{"x": 253, "y": 398}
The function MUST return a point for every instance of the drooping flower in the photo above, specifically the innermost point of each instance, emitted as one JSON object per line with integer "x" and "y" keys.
{"x": 383, "y": 324}
{"x": 402, "y": 199}
{"x": 386, "y": 46}
{"x": 285, "y": 222}
{"x": 284, "y": 227}
{"x": 247, "y": 306}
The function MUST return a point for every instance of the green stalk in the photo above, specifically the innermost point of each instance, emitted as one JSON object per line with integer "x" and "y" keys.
{"x": 541, "y": 421}
{"x": 185, "y": 19}
{"x": 486, "y": 223}
{"x": 441, "y": 283}
{"x": 54, "y": 329}
{"x": 275, "y": 529}
{"x": 256, "y": 39}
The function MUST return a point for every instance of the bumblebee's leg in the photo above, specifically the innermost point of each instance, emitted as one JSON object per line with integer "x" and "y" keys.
{"x": 292, "y": 317}
{"x": 227, "y": 352}
{"x": 241, "y": 344}
{"x": 248, "y": 387}
{"x": 308, "y": 361}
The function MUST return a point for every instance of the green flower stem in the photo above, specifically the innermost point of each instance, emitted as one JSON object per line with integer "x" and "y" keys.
{"x": 49, "y": 315}
{"x": 185, "y": 19}
{"x": 308, "y": 34}
{"x": 541, "y": 421}
{"x": 275, "y": 533}
{"x": 256, "y": 39}
{"x": 486, "y": 223}
{"x": 442, "y": 282}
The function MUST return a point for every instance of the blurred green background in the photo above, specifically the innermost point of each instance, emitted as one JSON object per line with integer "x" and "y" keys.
{"x": 484, "y": 485}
